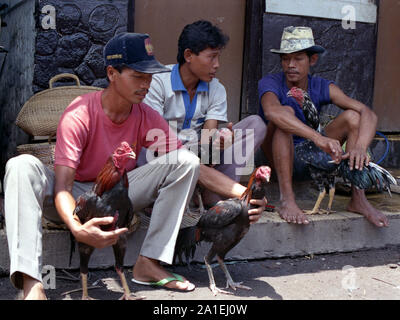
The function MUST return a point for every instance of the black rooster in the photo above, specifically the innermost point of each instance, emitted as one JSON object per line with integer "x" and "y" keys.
{"x": 323, "y": 170}
{"x": 309, "y": 110}
{"x": 323, "y": 173}
{"x": 109, "y": 197}
{"x": 224, "y": 225}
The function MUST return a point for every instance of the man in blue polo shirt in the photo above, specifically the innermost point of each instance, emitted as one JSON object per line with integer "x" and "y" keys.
{"x": 192, "y": 99}
{"x": 287, "y": 124}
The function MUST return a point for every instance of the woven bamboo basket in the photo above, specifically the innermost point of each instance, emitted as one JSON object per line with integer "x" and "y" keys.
{"x": 40, "y": 114}
{"x": 43, "y": 151}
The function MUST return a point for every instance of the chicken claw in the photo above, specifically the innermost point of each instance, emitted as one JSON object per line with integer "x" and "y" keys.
{"x": 131, "y": 296}
{"x": 215, "y": 290}
{"x": 234, "y": 285}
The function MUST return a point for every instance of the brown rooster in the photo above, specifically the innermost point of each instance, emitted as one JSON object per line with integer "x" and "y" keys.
{"x": 109, "y": 197}
{"x": 224, "y": 225}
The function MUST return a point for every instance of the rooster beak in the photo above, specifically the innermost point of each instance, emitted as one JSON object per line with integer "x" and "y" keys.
{"x": 132, "y": 155}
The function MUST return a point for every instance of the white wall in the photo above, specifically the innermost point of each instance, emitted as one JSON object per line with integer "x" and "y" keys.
{"x": 357, "y": 10}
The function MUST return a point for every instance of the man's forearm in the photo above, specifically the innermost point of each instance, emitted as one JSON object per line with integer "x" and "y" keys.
{"x": 219, "y": 183}
{"x": 368, "y": 123}
{"x": 65, "y": 205}
{"x": 288, "y": 122}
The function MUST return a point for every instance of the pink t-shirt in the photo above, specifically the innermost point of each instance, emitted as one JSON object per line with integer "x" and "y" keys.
{"x": 86, "y": 137}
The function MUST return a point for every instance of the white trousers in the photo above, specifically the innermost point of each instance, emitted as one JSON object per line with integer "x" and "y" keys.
{"x": 167, "y": 183}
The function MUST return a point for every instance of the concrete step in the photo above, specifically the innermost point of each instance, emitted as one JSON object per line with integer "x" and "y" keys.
{"x": 270, "y": 237}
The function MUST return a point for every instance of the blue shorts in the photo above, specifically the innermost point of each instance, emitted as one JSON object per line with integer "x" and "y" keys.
{"x": 300, "y": 169}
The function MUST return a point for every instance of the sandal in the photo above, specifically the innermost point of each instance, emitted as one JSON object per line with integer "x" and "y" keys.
{"x": 163, "y": 282}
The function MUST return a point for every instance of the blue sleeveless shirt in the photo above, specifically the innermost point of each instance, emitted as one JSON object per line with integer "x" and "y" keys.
{"x": 318, "y": 89}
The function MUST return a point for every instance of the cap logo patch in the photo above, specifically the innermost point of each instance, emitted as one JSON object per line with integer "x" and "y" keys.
{"x": 148, "y": 46}
{"x": 114, "y": 56}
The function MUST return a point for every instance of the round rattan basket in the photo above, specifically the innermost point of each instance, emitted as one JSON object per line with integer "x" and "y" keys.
{"x": 40, "y": 114}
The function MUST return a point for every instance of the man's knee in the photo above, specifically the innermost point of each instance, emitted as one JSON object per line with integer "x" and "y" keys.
{"x": 257, "y": 125}
{"x": 188, "y": 159}
{"x": 23, "y": 163}
{"x": 278, "y": 131}
{"x": 352, "y": 119}
{"x": 289, "y": 109}
{"x": 255, "y": 122}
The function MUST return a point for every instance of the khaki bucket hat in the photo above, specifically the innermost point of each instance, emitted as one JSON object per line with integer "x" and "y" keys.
{"x": 296, "y": 39}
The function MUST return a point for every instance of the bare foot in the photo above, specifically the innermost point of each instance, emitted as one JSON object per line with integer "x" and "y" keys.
{"x": 33, "y": 289}
{"x": 147, "y": 269}
{"x": 359, "y": 204}
{"x": 289, "y": 211}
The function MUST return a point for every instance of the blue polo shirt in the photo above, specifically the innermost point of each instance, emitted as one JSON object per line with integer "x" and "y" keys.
{"x": 318, "y": 89}
{"x": 190, "y": 106}
{"x": 169, "y": 97}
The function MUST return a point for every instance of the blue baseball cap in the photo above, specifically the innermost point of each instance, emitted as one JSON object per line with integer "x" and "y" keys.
{"x": 133, "y": 50}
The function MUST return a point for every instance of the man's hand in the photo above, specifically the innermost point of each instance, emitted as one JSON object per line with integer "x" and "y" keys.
{"x": 330, "y": 146}
{"x": 91, "y": 234}
{"x": 255, "y": 214}
{"x": 358, "y": 157}
{"x": 224, "y": 137}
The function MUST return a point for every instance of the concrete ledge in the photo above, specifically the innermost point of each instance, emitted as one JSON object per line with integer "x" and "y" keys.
{"x": 270, "y": 237}
{"x": 337, "y": 232}
{"x": 56, "y": 251}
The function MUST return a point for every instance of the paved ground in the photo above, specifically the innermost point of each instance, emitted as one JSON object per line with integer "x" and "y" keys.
{"x": 361, "y": 275}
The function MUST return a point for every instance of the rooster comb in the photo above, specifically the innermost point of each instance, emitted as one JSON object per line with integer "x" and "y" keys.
{"x": 122, "y": 153}
{"x": 263, "y": 172}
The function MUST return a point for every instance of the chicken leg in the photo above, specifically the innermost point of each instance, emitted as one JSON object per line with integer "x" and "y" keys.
{"x": 331, "y": 196}
{"x": 85, "y": 294}
{"x": 229, "y": 282}
{"x": 85, "y": 252}
{"x": 317, "y": 205}
{"x": 213, "y": 287}
{"x": 119, "y": 253}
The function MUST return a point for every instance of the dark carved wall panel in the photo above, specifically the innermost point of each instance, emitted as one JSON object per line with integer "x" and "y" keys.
{"x": 71, "y": 38}
{"x": 349, "y": 59}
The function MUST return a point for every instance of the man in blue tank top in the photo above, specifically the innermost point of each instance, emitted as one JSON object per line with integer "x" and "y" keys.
{"x": 287, "y": 125}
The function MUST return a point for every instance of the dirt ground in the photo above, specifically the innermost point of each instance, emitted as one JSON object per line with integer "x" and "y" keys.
{"x": 363, "y": 275}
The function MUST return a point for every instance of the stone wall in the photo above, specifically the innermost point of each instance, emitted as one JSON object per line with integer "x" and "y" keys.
{"x": 48, "y": 37}
{"x": 73, "y": 42}
{"x": 18, "y": 37}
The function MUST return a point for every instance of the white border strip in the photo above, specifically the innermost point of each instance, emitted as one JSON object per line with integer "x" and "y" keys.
{"x": 360, "y": 11}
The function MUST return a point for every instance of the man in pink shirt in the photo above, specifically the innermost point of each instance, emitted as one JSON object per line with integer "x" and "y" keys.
{"x": 90, "y": 129}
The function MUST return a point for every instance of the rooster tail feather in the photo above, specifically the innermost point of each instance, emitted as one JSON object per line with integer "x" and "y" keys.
{"x": 186, "y": 243}
{"x": 371, "y": 175}
{"x": 385, "y": 174}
